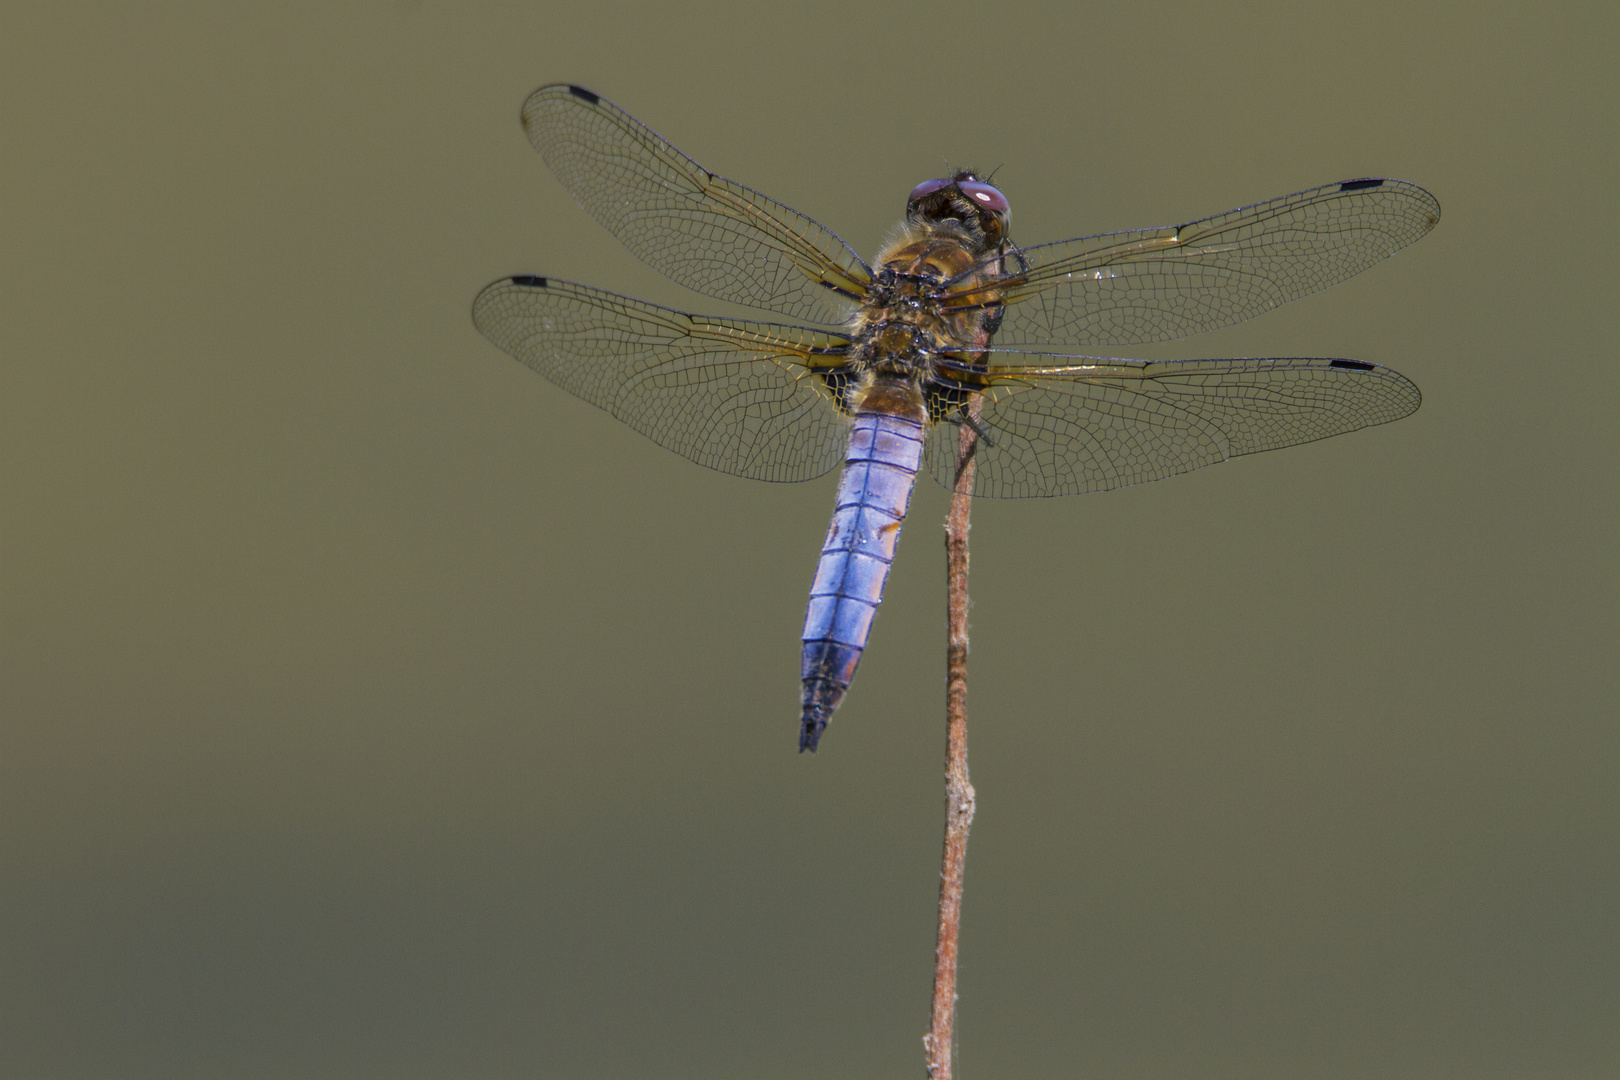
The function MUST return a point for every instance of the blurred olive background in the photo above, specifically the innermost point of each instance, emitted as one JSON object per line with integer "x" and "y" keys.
{"x": 372, "y": 708}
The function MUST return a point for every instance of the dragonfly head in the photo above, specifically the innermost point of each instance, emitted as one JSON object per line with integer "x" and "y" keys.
{"x": 980, "y": 209}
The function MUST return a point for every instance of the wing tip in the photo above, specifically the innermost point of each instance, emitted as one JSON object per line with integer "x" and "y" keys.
{"x": 549, "y": 95}
{"x": 1371, "y": 183}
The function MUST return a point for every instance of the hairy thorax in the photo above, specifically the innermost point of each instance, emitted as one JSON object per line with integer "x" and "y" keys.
{"x": 902, "y": 327}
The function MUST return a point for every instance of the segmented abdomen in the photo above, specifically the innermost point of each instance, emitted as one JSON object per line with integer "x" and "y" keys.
{"x": 880, "y": 469}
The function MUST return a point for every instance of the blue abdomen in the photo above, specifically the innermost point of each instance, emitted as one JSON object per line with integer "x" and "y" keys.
{"x": 880, "y": 470}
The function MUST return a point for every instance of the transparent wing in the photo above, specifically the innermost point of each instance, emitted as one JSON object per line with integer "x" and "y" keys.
{"x": 1069, "y": 428}
{"x": 745, "y": 398}
{"x": 1147, "y": 285}
{"x": 702, "y": 230}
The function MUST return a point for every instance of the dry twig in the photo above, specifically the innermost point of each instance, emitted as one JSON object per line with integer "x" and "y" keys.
{"x": 939, "y": 1043}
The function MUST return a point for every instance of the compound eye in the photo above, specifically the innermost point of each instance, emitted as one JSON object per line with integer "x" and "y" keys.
{"x": 927, "y": 188}
{"x": 983, "y": 195}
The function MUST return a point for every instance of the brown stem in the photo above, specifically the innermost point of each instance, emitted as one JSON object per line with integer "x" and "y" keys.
{"x": 940, "y": 1040}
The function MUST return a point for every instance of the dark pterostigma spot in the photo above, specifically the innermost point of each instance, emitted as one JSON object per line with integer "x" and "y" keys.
{"x": 584, "y": 94}
{"x": 1348, "y": 185}
{"x": 1353, "y": 365}
{"x": 529, "y": 279}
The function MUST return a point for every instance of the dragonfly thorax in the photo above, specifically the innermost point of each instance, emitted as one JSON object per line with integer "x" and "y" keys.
{"x": 904, "y": 322}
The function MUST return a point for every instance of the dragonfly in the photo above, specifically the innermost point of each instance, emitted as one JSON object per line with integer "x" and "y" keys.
{"x": 952, "y": 324}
